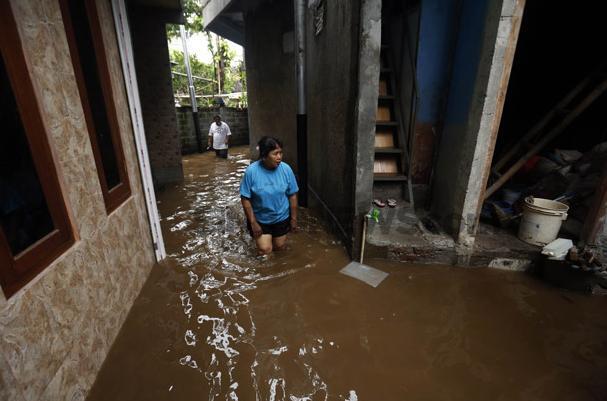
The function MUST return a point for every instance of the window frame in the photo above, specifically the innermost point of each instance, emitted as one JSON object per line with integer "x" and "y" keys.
{"x": 116, "y": 196}
{"x": 17, "y": 270}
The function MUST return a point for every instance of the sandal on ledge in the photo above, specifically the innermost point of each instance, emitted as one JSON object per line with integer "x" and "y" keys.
{"x": 391, "y": 202}
{"x": 378, "y": 203}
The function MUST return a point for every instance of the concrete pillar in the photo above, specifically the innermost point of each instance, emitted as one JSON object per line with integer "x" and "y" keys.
{"x": 366, "y": 108}
{"x": 270, "y": 64}
{"x": 156, "y": 93}
{"x": 485, "y": 50}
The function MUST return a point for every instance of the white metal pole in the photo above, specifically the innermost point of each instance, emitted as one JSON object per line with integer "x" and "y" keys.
{"x": 188, "y": 70}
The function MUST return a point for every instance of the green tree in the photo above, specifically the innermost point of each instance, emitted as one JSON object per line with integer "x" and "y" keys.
{"x": 192, "y": 13}
{"x": 221, "y": 76}
{"x": 203, "y": 76}
{"x": 222, "y": 60}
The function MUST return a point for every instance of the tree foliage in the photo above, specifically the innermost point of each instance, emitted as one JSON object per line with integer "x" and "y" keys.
{"x": 222, "y": 61}
{"x": 192, "y": 13}
{"x": 199, "y": 69}
{"x": 220, "y": 76}
{"x": 234, "y": 78}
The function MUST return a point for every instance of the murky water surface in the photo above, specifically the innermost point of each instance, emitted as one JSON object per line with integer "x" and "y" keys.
{"x": 217, "y": 323}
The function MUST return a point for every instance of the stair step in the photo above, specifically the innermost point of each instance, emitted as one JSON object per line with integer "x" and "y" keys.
{"x": 388, "y": 150}
{"x": 389, "y": 177}
{"x": 387, "y": 123}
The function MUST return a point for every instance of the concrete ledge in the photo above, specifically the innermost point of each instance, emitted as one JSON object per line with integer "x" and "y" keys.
{"x": 212, "y": 9}
{"x": 401, "y": 236}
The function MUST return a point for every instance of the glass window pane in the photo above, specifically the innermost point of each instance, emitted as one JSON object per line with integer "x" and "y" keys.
{"x": 24, "y": 214}
{"x": 90, "y": 71}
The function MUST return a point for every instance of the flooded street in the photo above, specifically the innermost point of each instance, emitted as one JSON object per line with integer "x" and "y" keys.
{"x": 215, "y": 322}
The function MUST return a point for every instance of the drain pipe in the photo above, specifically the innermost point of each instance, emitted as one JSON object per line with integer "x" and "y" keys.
{"x": 302, "y": 118}
{"x": 188, "y": 70}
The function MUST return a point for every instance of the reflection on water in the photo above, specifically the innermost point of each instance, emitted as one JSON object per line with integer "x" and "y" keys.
{"x": 215, "y": 322}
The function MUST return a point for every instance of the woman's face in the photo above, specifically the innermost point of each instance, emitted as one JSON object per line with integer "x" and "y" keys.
{"x": 273, "y": 159}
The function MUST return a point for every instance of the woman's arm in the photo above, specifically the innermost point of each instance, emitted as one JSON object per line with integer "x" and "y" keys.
{"x": 293, "y": 208}
{"x": 248, "y": 211}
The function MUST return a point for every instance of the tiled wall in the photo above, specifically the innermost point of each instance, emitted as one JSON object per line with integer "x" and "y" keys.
{"x": 56, "y": 332}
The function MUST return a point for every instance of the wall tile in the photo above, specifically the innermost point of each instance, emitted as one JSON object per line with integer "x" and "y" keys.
{"x": 56, "y": 332}
{"x": 10, "y": 389}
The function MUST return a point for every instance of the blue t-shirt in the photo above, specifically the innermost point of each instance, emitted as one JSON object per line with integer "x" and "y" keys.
{"x": 268, "y": 191}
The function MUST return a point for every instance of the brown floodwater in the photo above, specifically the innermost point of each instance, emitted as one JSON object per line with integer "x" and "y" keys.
{"x": 215, "y": 322}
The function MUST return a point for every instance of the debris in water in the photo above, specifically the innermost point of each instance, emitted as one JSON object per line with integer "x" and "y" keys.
{"x": 367, "y": 274}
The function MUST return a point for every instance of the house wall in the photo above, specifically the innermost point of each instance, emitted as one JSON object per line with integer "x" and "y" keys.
{"x": 237, "y": 119}
{"x": 270, "y": 67}
{"x": 56, "y": 331}
{"x": 332, "y": 69}
{"x": 152, "y": 64}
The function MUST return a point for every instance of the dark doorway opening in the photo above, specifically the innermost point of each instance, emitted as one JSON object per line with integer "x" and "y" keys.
{"x": 556, "y": 90}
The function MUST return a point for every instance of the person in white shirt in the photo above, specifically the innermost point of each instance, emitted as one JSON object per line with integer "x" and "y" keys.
{"x": 219, "y": 137}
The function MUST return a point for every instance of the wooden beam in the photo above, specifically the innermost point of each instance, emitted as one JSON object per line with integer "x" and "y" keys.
{"x": 583, "y": 105}
{"x": 532, "y": 133}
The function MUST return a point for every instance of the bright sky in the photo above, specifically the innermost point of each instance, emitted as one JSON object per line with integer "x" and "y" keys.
{"x": 197, "y": 44}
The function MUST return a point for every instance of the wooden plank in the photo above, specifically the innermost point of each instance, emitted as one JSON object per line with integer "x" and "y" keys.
{"x": 383, "y": 113}
{"x": 583, "y": 105}
{"x": 388, "y": 150}
{"x": 389, "y": 177}
{"x": 383, "y": 87}
{"x": 385, "y": 164}
{"x": 384, "y": 138}
{"x": 532, "y": 133}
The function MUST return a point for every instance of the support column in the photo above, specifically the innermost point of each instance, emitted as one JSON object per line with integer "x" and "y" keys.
{"x": 366, "y": 108}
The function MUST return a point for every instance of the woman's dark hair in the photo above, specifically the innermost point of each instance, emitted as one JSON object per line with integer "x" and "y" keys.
{"x": 267, "y": 144}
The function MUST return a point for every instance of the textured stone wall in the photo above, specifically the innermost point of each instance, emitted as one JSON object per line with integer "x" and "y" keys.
{"x": 237, "y": 119}
{"x": 153, "y": 68}
{"x": 56, "y": 331}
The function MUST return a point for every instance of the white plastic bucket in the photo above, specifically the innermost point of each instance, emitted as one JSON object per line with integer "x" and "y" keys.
{"x": 542, "y": 219}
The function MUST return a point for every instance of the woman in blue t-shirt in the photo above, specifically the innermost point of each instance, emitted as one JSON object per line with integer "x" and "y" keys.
{"x": 268, "y": 192}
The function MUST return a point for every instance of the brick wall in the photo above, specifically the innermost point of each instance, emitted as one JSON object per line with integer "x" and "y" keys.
{"x": 156, "y": 92}
{"x": 237, "y": 119}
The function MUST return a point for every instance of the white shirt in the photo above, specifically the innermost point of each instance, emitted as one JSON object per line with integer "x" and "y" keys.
{"x": 219, "y": 134}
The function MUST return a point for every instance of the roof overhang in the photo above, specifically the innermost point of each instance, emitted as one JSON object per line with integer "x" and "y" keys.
{"x": 171, "y": 11}
{"x": 225, "y": 18}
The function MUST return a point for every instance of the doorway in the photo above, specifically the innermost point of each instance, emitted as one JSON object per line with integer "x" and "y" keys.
{"x": 552, "y": 140}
